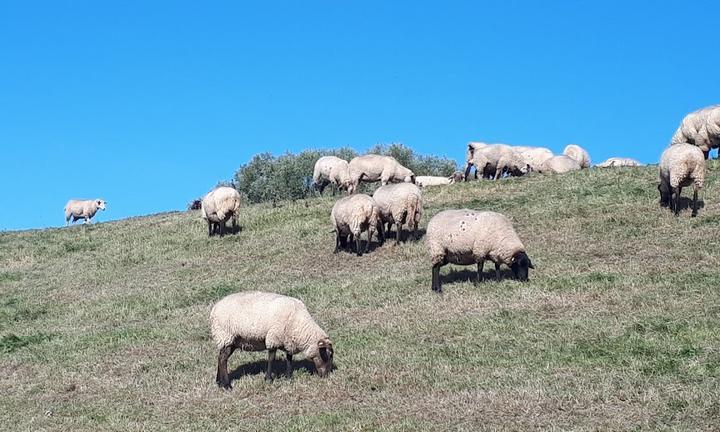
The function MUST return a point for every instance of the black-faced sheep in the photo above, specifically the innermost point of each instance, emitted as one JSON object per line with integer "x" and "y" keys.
{"x": 351, "y": 216}
{"x": 681, "y": 165}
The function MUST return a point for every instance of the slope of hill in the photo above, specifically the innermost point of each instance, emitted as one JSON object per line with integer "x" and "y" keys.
{"x": 105, "y": 327}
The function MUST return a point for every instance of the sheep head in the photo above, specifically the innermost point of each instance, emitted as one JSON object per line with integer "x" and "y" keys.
{"x": 521, "y": 265}
{"x": 323, "y": 357}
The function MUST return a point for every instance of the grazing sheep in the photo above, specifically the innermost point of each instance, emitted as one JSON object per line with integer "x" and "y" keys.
{"x": 619, "y": 162}
{"x": 470, "y": 158}
{"x": 218, "y": 206}
{"x": 498, "y": 159}
{"x": 534, "y": 156}
{"x": 559, "y": 164}
{"x": 331, "y": 170}
{"x": 257, "y": 321}
{"x": 466, "y": 237}
{"x": 371, "y": 168}
{"x": 692, "y": 130}
{"x": 681, "y": 165}
{"x": 82, "y": 209}
{"x": 579, "y": 154}
{"x": 399, "y": 204}
{"x": 425, "y": 181}
{"x": 351, "y": 216}
{"x": 710, "y": 133}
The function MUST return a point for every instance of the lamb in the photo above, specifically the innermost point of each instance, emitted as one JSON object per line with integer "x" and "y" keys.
{"x": 681, "y": 165}
{"x": 466, "y": 237}
{"x": 579, "y": 154}
{"x": 497, "y": 159}
{"x": 257, "y": 321}
{"x": 82, "y": 209}
{"x": 619, "y": 162}
{"x": 399, "y": 204}
{"x": 559, "y": 164}
{"x": 534, "y": 156}
{"x": 218, "y": 206}
{"x": 470, "y": 157}
{"x": 331, "y": 170}
{"x": 371, "y": 168}
{"x": 692, "y": 130}
{"x": 351, "y": 216}
{"x": 425, "y": 181}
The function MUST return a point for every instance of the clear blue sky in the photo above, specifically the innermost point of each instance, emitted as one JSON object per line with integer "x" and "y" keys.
{"x": 150, "y": 104}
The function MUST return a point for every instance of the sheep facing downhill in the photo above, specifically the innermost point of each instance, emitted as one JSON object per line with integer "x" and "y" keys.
{"x": 399, "y": 204}
{"x": 618, "y": 162}
{"x": 681, "y": 165}
{"x": 579, "y": 154}
{"x": 82, "y": 209}
{"x": 351, "y": 216}
{"x": 466, "y": 237}
{"x": 372, "y": 168}
{"x": 218, "y": 206}
{"x": 257, "y": 321}
{"x": 331, "y": 170}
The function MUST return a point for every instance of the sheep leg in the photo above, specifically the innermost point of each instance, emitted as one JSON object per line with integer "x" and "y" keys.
{"x": 467, "y": 172}
{"x": 678, "y": 191}
{"x": 270, "y": 361}
{"x": 358, "y": 245}
{"x": 695, "y": 197}
{"x": 497, "y": 272}
{"x": 381, "y": 234}
{"x": 480, "y": 266}
{"x": 436, "y": 286}
{"x": 498, "y": 172}
{"x": 288, "y": 365}
{"x": 337, "y": 242}
{"x": 370, "y": 233}
{"x": 210, "y": 229}
{"x": 222, "y": 378}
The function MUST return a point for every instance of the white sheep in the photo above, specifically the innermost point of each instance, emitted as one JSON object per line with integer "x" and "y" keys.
{"x": 559, "y": 164}
{"x": 498, "y": 159}
{"x": 399, "y": 204}
{"x": 470, "y": 158}
{"x": 619, "y": 162}
{"x": 692, "y": 129}
{"x": 710, "y": 132}
{"x": 372, "y": 168}
{"x": 331, "y": 170}
{"x": 257, "y": 321}
{"x": 681, "y": 165}
{"x": 466, "y": 237}
{"x": 425, "y": 181}
{"x": 82, "y": 209}
{"x": 218, "y": 206}
{"x": 351, "y": 216}
{"x": 579, "y": 154}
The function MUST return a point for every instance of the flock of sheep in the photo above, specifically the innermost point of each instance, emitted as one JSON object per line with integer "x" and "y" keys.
{"x": 256, "y": 321}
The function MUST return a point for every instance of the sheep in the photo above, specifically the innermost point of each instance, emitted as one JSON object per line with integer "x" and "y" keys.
{"x": 579, "y": 154}
{"x": 470, "y": 158}
{"x": 681, "y": 165}
{"x": 425, "y": 181}
{"x": 371, "y": 168}
{"x": 218, "y": 206}
{"x": 82, "y": 209}
{"x": 351, "y": 216}
{"x": 710, "y": 132}
{"x": 331, "y": 170}
{"x": 534, "y": 156}
{"x": 466, "y": 237}
{"x": 692, "y": 130}
{"x": 619, "y": 162}
{"x": 258, "y": 321}
{"x": 559, "y": 164}
{"x": 497, "y": 159}
{"x": 399, "y": 204}
{"x": 195, "y": 204}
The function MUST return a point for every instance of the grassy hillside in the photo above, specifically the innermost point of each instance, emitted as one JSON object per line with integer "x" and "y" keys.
{"x": 106, "y": 327}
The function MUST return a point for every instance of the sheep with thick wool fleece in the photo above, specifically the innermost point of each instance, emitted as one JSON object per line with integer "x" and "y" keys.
{"x": 466, "y": 237}
{"x": 693, "y": 130}
{"x": 425, "y": 181}
{"x": 372, "y": 168}
{"x": 257, "y": 321}
{"x": 579, "y": 154}
{"x": 559, "y": 164}
{"x": 499, "y": 158}
{"x": 331, "y": 170}
{"x": 619, "y": 162}
{"x": 681, "y": 165}
{"x": 534, "y": 156}
{"x": 351, "y": 216}
{"x": 399, "y": 204}
{"x": 472, "y": 146}
{"x": 218, "y": 206}
{"x": 82, "y": 209}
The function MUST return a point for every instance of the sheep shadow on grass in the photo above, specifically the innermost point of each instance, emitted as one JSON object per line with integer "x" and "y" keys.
{"x": 258, "y": 367}
{"x": 406, "y": 236}
{"x": 686, "y": 203}
{"x": 471, "y": 275}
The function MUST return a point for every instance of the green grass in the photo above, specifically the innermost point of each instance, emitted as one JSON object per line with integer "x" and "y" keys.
{"x": 105, "y": 327}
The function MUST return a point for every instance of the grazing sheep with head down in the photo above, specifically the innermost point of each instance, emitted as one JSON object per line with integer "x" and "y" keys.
{"x": 533, "y": 156}
{"x": 399, "y": 204}
{"x": 218, "y": 206}
{"x": 466, "y": 237}
{"x": 82, "y": 209}
{"x": 495, "y": 159}
{"x": 559, "y": 165}
{"x": 693, "y": 130}
{"x": 371, "y": 168}
{"x": 331, "y": 170}
{"x": 257, "y": 321}
{"x": 619, "y": 162}
{"x": 681, "y": 165}
{"x": 351, "y": 216}
{"x": 579, "y": 154}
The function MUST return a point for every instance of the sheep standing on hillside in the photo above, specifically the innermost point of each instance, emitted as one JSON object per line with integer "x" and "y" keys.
{"x": 257, "y": 321}
{"x": 559, "y": 165}
{"x": 466, "y": 237}
{"x": 331, "y": 170}
{"x": 470, "y": 158}
{"x": 619, "y": 162}
{"x": 82, "y": 209}
{"x": 399, "y": 204}
{"x": 351, "y": 216}
{"x": 693, "y": 130}
{"x": 371, "y": 168}
{"x": 579, "y": 154}
{"x": 218, "y": 206}
{"x": 533, "y": 156}
{"x": 681, "y": 165}
{"x": 710, "y": 132}
{"x": 498, "y": 159}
